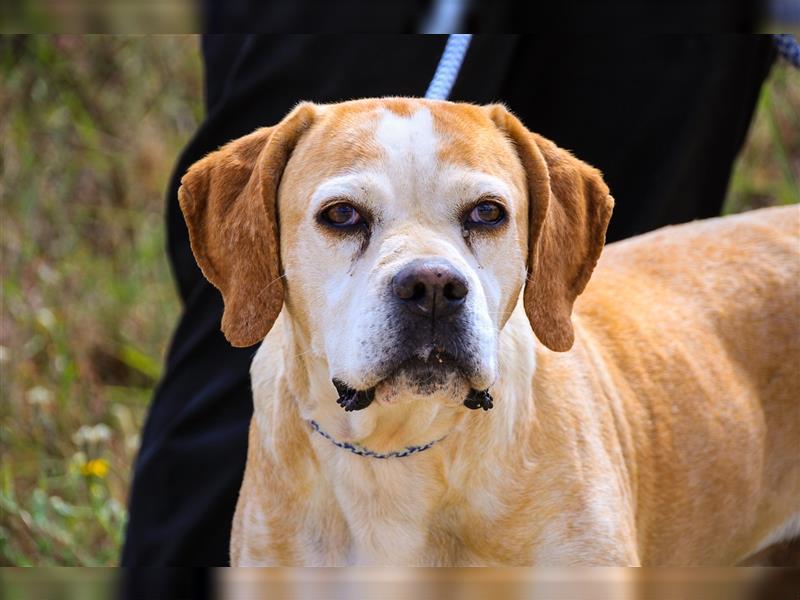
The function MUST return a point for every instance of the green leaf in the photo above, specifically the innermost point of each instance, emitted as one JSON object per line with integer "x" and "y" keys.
{"x": 138, "y": 360}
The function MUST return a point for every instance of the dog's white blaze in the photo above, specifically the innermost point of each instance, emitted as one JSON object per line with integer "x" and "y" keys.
{"x": 409, "y": 145}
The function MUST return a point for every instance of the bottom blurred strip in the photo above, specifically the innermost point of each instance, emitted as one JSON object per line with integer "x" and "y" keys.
{"x": 389, "y": 583}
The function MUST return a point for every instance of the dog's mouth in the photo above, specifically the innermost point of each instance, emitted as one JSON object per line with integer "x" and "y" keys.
{"x": 422, "y": 375}
{"x": 427, "y": 375}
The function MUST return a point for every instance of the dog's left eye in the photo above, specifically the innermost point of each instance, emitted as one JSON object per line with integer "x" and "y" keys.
{"x": 341, "y": 215}
{"x": 486, "y": 213}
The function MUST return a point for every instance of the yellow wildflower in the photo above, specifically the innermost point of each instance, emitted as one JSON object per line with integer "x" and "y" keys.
{"x": 97, "y": 467}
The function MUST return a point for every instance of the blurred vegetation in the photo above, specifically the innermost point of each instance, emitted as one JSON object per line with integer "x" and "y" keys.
{"x": 115, "y": 16}
{"x": 767, "y": 171}
{"x": 90, "y": 128}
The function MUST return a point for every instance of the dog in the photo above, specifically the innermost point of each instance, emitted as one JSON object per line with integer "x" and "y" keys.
{"x": 437, "y": 383}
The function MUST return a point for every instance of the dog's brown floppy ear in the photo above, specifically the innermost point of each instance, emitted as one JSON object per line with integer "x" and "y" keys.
{"x": 229, "y": 201}
{"x": 569, "y": 210}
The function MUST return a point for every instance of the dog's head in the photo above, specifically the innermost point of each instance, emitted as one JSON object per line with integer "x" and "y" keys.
{"x": 398, "y": 235}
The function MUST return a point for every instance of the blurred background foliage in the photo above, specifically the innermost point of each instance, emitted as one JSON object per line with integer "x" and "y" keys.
{"x": 90, "y": 127}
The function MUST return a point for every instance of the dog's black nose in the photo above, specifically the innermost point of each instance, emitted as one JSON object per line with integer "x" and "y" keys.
{"x": 430, "y": 287}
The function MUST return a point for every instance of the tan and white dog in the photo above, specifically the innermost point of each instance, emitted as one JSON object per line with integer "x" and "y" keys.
{"x": 408, "y": 250}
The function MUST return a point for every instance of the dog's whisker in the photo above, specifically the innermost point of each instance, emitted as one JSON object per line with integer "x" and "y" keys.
{"x": 270, "y": 284}
{"x": 298, "y": 355}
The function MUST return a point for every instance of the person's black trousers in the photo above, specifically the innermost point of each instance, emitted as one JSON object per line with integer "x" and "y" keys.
{"x": 663, "y": 117}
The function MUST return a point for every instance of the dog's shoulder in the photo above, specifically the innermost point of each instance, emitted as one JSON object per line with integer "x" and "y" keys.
{"x": 703, "y": 260}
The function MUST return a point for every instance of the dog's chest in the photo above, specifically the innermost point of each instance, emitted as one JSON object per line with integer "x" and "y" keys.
{"x": 397, "y": 511}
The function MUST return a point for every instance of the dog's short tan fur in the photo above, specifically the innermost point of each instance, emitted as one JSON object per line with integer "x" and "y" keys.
{"x": 657, "y": 426}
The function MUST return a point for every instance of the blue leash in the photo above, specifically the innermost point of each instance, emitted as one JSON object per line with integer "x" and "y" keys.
{"x": 788, "y": 47}
{"x": 449, "y": 66}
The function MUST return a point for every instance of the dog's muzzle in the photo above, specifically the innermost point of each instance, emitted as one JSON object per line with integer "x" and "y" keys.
{"x": 432, "y": 336}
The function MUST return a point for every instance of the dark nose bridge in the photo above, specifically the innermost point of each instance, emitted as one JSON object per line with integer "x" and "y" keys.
{"x": 430, "y": 287}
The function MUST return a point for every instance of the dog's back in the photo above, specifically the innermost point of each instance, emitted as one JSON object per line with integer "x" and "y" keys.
{"x": 702, "y": 323}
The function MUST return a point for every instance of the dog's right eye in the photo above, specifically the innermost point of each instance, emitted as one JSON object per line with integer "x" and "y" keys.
{"x": 341, "y": 215}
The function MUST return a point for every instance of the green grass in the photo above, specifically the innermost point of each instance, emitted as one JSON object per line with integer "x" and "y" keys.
{"x": 90, "y": 128}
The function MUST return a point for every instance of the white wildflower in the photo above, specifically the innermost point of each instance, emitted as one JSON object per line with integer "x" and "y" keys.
{"x": 46, "y": 318}
{"x": 101, "y": 432}
{"x": 88, "y": 434}
{"x": 80, "y": 437}
{"x": 39, "y": 395}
